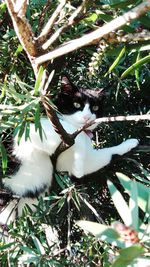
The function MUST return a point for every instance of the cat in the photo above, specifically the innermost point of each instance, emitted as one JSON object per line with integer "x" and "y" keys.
{"x": 76, "y": 107}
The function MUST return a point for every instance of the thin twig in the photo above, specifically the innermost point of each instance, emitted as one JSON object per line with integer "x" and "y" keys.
{"x": 69, "y": 222}
{"x": 123, "y": 118}
{"x": 69, "y": 23}
{"x": 100, "y": 220}
{"x": 42, "y": 16}
{"x": 51, "y": 22}
{"x": 111, "y": 119}
{"x": 95, "y": 36}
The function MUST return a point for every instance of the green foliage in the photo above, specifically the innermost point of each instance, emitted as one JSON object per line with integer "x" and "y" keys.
{"x": 123, "y": 69}
{"x": 121, "y": 236}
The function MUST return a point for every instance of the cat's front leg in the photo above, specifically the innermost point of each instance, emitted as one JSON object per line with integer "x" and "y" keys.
{"x": 125, "y": 147}
{"x": 97, "y": 159}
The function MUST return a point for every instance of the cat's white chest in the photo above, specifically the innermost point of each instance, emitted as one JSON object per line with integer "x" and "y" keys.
{"x": 73, "y": 160}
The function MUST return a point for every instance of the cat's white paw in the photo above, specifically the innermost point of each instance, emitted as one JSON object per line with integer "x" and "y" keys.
{"x": 127, "y": 145}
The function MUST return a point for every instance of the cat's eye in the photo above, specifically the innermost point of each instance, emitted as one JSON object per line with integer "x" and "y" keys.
{"x": 95, "y": 108}
{"x": 77, "y": 105}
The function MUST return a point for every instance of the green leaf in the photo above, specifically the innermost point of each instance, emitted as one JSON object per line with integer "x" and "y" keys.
{"x": 116, "y": 62}
{"x": 37, "y": 117}
{"x": 27, "y": 249}
{"x": 133, "y": 205}
{"x": 60, "y": 181}
{"x": 104, "y": 232}
{"x": 97, "y": 229}
{"x": 127, "y": 255}
{"x": 38, "y": 245}
{"x": 6, "y": 246}
{"x": 2, "y": 8}
{"x": 18, "y": 50}
{"x": 4, "y": 158}
{"x": 9, "y": 109}
{"x": 21, "y": 131}
{"x": 75, "y": 199}
{"x": 3, "y": 88}
{"x": 121, "y": 4}
{"x": 120, "y": 204}
{"x": 27, "y": 130}
{"x": 120, "y": 263}
{"x": 91, "y": 18}
{"x": 135, "y": 66}
{"x": 38, "y": 80}
{"x": 143, "y": 191}
{"x": 137, "y": 76}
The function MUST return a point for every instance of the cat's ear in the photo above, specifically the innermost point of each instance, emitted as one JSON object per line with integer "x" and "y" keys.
{"x": 66, "y": 85}
{"x": 101, "y": 92}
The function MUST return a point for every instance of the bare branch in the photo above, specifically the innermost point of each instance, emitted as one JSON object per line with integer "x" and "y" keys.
{"x": 112, "y": 119}
{"x": 51, "y": 22}
{"x": 95, "y": 36}
{"x": 115, "y": 37}
{"x": 123, "y": 118}
{"x": 24, "y": 32}
{"x": 70, "y": 22}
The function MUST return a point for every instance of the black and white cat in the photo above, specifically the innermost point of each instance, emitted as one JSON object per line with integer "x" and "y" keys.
{"x": 34, "y": 177}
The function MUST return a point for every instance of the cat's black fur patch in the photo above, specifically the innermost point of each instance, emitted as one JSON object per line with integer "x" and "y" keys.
{"x": 35, "y": 193}
{"x": 13, "y": 162}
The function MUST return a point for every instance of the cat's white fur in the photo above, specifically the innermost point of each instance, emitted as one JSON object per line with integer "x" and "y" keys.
{"x": 36, "y": 170}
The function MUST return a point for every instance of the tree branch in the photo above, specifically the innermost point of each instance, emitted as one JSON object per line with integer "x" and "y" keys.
{"x": 67, "y": 139}
{"x": 123, "y": 118}
{"x": 95, "y": 36}
{"x": 114, "y": 37}
{"x": 112, "y": 119}
{"x": 24, "y": 31}
{"x": 48, "y": 27}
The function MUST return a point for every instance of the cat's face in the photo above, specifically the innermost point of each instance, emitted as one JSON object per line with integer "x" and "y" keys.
{"x": 79, "y": 106}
